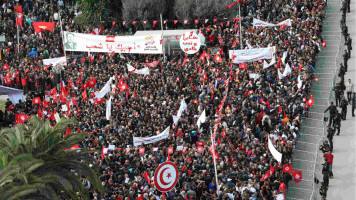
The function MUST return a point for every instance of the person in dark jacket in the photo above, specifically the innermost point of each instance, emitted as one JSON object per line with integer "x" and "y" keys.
{"x": 343, "y": 105}
{"x": 333, "y": 110}
{"x": 337, "y": 91}
{"x": 330, "y": 136}
{"x": 325, "y": 171}
{"x": 353, "y": 103}
{"x": 346, "y": 58}
{"x": 337, "y": 122}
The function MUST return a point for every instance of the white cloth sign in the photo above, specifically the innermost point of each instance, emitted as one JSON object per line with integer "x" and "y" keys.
{"x": 286, "y": 22}
{"x": 15, "y": 95}
{"x": 276, "y": 155}
{"x": 190, "y": 42}
{"x": 182, "y": 108}
{"x": 284, "y": 57}
{"x": 147, "y": 44}
{"x": 143, "y": 71}
{"x": 104, "y": 90}
{"x": 251, "y": 55}
{"x": 201, "y": 119}
{"x": 254, "y": 75}
{"x": 56, "y": 117}
{"x": 148, "y": 140}
{"x": 265, "y": 65}
{"x": 300, "y": 83}
{"x": 280, "y": 75}
{"x": 108, "y": 109}
{"x": 260, "y": 23}
{"x": 55, "y": 61}
{"x": 287, "y": 70}
{"x": 257, "y": 22}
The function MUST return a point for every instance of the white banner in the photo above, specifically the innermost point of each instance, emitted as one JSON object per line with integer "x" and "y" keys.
{"x": 148, "y": 44}
{"x": 257, "y": 22}
{"x": 251, "y": 55}
{"x": 148, "y": 140}
{"x": 274, "y": 152}
{"x": 287, "y": 70}
{"x": 104, "y": 90}
{"x": 182, "y": 107}
{"x": 54, "y": 61}
{"x": 201, "y": 119}
{"x": 108, "y": 110}
{"x": 260, "y": 23}
{"x": 190, "y": 42}
{"x": 286, "y": 22}
{"x": 143, "y": 71}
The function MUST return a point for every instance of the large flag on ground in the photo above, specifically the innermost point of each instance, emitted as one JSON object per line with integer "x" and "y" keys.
{"x": 43, "y": 26}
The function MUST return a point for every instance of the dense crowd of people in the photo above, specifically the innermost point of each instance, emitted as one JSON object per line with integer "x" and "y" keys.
{"x": 254, "y": 108}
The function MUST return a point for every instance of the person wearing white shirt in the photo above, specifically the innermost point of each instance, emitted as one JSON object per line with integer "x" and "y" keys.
{"x": 349, "y": 90}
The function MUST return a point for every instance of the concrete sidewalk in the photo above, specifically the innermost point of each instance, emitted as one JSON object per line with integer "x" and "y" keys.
{"x": 343, "y": 186}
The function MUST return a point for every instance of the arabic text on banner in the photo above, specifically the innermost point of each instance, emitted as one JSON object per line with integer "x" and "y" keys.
{"x": 148, "y": 140}
{"x": 251, "y": 55}
{"x": 148, "y": 44}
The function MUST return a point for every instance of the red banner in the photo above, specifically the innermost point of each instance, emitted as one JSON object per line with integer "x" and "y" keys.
{"x": 43, "y": 26}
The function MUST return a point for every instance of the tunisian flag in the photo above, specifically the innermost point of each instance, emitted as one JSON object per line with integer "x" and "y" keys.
{"x": 297, "y": 176}
{"x": 21, "y": 118}
{"x": 43, "y": 26}
{"x": 19, "y": 16}
{"x": 287, "y": 168}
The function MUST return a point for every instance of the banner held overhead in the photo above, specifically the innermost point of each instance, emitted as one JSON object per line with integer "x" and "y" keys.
{"x": 190, "y": 42}
{"x": 251, "y": 55}
{"x": 148, "y": 44}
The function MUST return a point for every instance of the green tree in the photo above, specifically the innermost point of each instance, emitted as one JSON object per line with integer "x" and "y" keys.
{"x": 93, "y": 12}
{"x": 35, "y": 162}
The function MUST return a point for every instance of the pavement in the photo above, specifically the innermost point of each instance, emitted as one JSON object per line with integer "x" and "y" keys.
{"x": 343, "y": 186}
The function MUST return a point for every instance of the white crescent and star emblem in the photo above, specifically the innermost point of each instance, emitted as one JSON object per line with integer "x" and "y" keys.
{"x": 166, "y": 176}
{"x": 297, "y": 176}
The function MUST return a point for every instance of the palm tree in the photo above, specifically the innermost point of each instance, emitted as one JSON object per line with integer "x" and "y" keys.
{"x": 35, "y": 162}
{"x": 93, "y": 12}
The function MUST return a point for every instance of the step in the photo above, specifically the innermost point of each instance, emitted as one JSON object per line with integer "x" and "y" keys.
{"x": 297, "y": 193}
{"x": 303, "y": 155}
{"x": 309, "y": 137}
{"x": 305, "y": 185}
{"x": 306, "y": 146}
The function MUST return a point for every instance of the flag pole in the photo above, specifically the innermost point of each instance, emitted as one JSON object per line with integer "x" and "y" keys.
{"x": 18, "y": 39}
{"x": 60, "y": 23}
{"x": 164, "y": 57}
{"x": 240, "y": 19}
{"x": 216, "y": 172}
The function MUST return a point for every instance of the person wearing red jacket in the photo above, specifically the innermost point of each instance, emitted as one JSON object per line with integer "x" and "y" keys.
{"x": 330, "y": 158}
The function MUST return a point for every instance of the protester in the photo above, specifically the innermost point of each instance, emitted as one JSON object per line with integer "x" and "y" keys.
{"x": 254, "y": 108}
